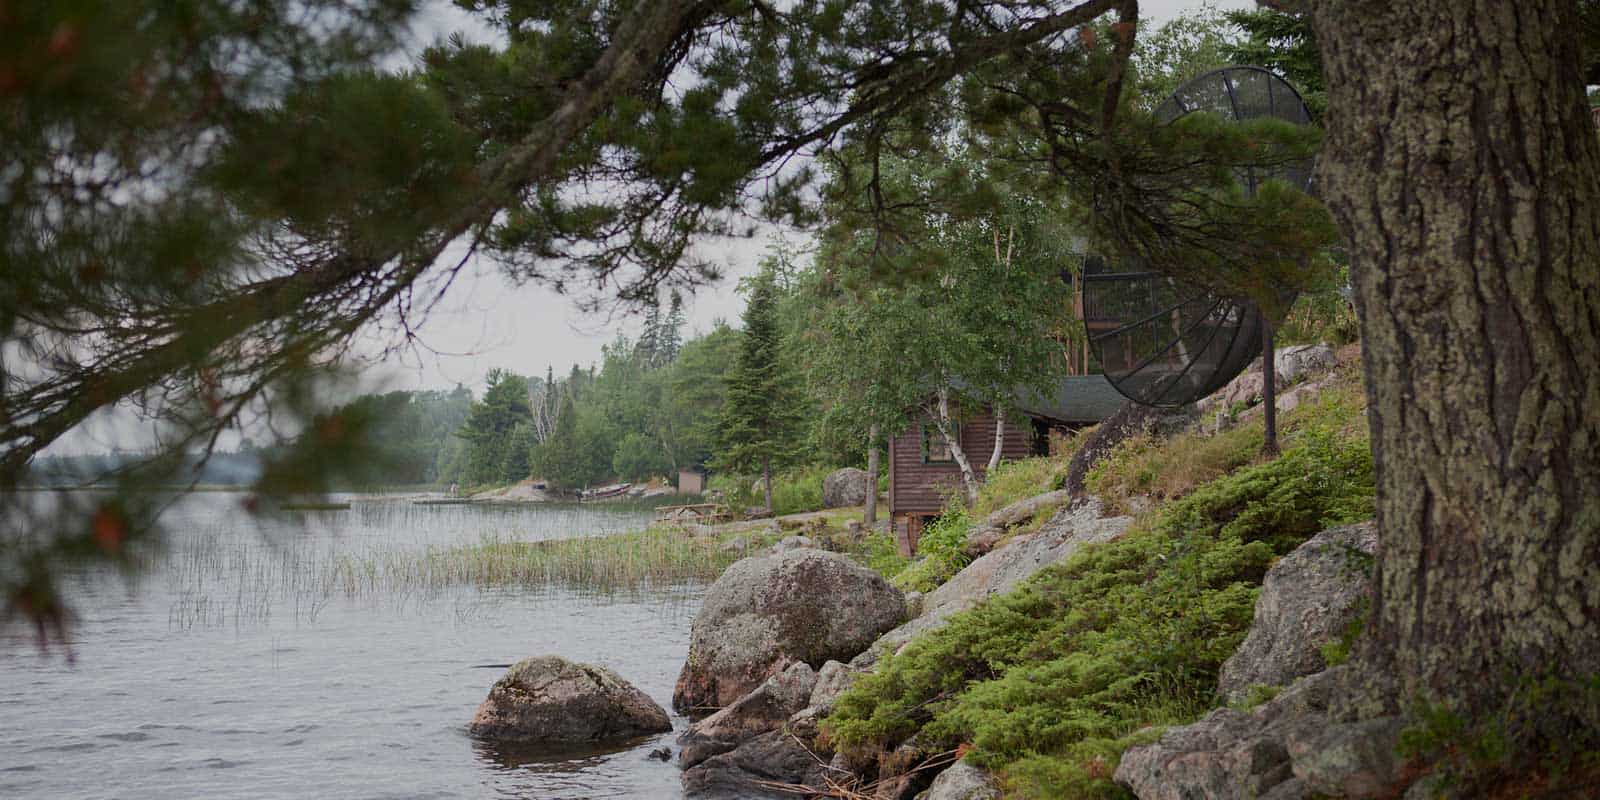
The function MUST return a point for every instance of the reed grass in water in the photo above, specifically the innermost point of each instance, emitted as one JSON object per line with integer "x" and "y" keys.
{"x": 240, "y": 583}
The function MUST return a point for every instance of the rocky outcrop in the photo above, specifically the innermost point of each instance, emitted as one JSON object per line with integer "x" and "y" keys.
{"x": 768, "y": 611}
{"x": 1293, "y": 746}
{"x": 1298, "y": 360}
{"x": 1003, "y": 569}
{"x": 760, "y": 768}
{"x": 1130, "y": 420}
{"x": 797, "y": 542}
{"x": 550, "y": 700}
{"x": 984, "y": 536}
{"x": 832, "y": 680}
{"x": 962, "y": 781}
{"x": 845, "y": 487}
{"x": 1309, "y": 598}
{"x": 1288, "y": 749}
{"x": 1289, "y": 365}
{"x": 764, "y": 709}
{"x": 740, "y": 749}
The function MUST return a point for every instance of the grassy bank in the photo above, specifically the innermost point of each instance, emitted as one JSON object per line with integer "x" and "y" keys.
{"x": 1048, "y": 684}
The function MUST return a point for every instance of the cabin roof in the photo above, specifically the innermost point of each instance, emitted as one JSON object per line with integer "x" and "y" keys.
{"x": 1077, "y": 399}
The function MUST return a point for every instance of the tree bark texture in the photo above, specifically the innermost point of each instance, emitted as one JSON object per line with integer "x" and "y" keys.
{"x": 869, "y": 514}
{"x": 1462, "y": 164}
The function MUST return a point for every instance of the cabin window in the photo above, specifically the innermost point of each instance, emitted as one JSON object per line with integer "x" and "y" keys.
{"x": 935, "y": 450}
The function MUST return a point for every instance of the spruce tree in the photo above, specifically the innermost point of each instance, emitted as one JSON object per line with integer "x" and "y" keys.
{"x": 760, "y": 427}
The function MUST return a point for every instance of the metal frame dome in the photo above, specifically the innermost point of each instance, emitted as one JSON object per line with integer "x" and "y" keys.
{"x": 1159, "y": 340}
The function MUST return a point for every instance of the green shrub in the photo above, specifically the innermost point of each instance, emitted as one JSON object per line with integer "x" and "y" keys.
{"x": 1019, "y": 480}
{"x": 793, "y": 491}
{"x": 879, "y": 553}
{"x": 1324, "y": 316}
{"x": 1047, "y": 683}
{"x": 939, "y": 552}
{"x": 1166, "y": 469}
{"x": 798, "y": 490}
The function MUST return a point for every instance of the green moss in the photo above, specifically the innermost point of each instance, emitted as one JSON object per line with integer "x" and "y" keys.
{"x": 1047, "y": 683}
{"x": 1544, "y": 731}
{"x": 1337, "y": 651}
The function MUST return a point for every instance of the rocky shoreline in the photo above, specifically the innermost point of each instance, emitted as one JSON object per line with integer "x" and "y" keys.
{"x": 786, "y": 630}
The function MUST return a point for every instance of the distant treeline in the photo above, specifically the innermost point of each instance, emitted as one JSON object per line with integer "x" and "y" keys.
{"x": 649, "y": 408}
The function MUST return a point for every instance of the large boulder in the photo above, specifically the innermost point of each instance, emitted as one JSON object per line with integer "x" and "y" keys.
{"x": 1292, "y": 362}
{"x": 768, "y": 611}
{"x": 845, "y": 487}
{"x": 550, "y": 700}
{"x": 962, "y": 781}
{"x": 1309, "y": 598}
{"x": 1004, "y": 568}
{"x": 766, "y": 708}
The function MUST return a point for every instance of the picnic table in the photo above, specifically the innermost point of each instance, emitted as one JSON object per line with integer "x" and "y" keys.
{"x": 698, "y": 513}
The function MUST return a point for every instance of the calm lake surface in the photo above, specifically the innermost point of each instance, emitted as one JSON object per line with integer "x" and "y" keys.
{"x": 239, "y": 669}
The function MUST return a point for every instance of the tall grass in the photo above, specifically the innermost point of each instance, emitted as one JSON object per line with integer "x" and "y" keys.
{"x": 218, "y": 582}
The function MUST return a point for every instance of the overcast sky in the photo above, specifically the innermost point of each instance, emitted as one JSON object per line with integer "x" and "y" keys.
{"x": 485, "y": 322}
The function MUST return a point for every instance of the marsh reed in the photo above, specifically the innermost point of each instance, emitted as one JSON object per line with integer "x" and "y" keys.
{"x": 221, "y": 580}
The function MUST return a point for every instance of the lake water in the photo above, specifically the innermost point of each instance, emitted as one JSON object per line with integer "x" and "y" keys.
{"x": 232, "y": 671}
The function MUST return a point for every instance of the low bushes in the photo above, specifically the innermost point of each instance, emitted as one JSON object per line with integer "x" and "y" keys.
{"x": 939, "y": 552}
{"x": 1049, "y": 683}
{"x": 1165, "y": 469}
{"x": 793, "y": 491}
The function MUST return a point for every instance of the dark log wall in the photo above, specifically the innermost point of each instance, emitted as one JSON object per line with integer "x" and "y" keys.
{"x": 918, "y": 488}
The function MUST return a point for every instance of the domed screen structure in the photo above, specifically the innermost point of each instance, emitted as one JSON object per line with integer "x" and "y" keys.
{"x": 1162, "y": 341}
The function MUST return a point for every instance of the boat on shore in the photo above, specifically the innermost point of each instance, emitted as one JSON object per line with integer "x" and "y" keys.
{"x": 611, "y": 492}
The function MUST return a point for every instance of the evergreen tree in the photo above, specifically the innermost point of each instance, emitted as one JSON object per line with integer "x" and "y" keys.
{"x": 1281, "y": 39}
{"x": 517, "y": 462}
{"x": 761, "y": 423}
{"x": 559, "y": 459}
{"x": 489, "y": 426}
{"x": 670, "y": 334}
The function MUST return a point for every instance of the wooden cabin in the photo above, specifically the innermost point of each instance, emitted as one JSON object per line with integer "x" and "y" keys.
{"x": 922, "y": 474}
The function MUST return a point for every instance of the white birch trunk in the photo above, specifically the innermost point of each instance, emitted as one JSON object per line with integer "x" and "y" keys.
{"x": 999, "y": 441}
{"x": 969, "y": 480}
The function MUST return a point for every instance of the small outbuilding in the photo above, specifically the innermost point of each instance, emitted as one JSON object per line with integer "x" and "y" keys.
{"x": 691, "y": 480}
{"x": 922, "y": 472}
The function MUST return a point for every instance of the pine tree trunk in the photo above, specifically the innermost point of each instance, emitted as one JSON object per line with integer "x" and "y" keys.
{"x": 999, "y": 441}
{"x": 869, "y": 515}
{"x": 1462, "y": 163}
{"x": 1269, "y": 391}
